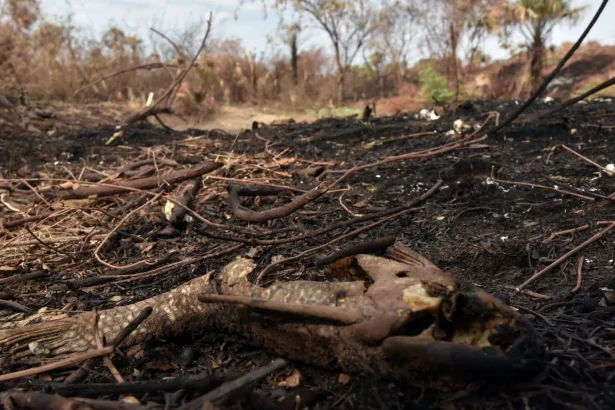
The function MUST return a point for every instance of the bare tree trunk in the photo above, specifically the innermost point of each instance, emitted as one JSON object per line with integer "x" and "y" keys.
{"x": 454, "y": 41}
{"x": 537, "y": 60}
{"x": 253, "y": 76}
{"x": 294, "y": 58}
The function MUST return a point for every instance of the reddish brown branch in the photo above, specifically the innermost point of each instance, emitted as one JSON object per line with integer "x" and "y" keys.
{"x": 248, "y": 215}
{"x": 567, "y": 255}
{"x": 528, "y": 184}
{"x": 317, "y": 232}
{"x": 573, "y": 230}
{"x": 472, "y": 144}
{"x": 579, "y": 274}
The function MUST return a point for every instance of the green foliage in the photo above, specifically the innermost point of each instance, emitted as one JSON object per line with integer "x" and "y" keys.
{"x": 433, "y": 86}
{"x": 364, "y": 71}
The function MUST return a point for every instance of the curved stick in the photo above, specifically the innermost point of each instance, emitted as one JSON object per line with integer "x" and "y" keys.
{"x": 248, "y": 215}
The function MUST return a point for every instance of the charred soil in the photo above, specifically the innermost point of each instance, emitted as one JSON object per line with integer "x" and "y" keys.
{"x": 480, "y": 226}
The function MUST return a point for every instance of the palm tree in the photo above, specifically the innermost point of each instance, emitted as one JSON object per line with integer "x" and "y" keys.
{"x": 535, "y": 20}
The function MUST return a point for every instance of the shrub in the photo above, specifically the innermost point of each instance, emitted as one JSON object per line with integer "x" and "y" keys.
{"x": 433, "y": 86}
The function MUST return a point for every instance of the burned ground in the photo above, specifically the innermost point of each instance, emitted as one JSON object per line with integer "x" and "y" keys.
{"x": 486, "y": 232}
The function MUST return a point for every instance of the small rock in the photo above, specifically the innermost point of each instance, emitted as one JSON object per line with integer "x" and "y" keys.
{"x": 187, "y": 355}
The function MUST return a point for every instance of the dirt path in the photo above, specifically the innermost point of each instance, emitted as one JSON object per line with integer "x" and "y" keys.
{"x": 236, "y": 118}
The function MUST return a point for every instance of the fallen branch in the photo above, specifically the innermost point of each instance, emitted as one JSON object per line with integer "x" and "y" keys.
{"x": 567, "y": 255}
{"x": 144, "y": 183}
{"x": 18, "y": 307}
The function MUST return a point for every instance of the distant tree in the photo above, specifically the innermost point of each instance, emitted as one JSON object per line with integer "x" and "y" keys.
{"x": 347, "y": 23}
{"x": 447, "y": 25}
{"x": 535, "y": 20}
{"x": 23, "y": 12}
{"x": 392, "y": 39}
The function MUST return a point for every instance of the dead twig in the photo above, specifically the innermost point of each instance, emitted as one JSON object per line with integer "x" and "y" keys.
{"x": 572, "y": 101}
{"x": 403, "y": 137}
{"x": 234, "y": 386}
{"x": 584, "y": 158}
{"x": 101, "y": 190}
{"x": 316, "y": 232}
{"x": 579, "y": 274}
{"x": 171, "y": 266}
{"x": 18, "y": 307}
{"x": 338, "y": 239}
{"x": 83, "y": 371}
{"x": 106, "y": 359}
{"x": 471, "y": 144}
{"x": 203, "y": 381}
{"x": 46, "y": 245}
{"x": 69, "y": 361}
{"x": 58, "y": 239}
{"x": 528, "y": 184}
{"x": 163, "y": 103}
{"x": 115, "y": 228}
{"x": 573, "y": 230}
{"x": 567, "y": 255}
{"x": 248, "y": 215}
{"x": 533, "y": 312}
{"x": 149, "y": 66}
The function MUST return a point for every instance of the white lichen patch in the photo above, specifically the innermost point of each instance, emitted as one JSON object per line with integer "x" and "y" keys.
{"x": 168, "y": 210}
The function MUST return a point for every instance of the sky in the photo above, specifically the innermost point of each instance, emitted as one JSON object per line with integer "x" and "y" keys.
{"x": 250, "y": 23}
